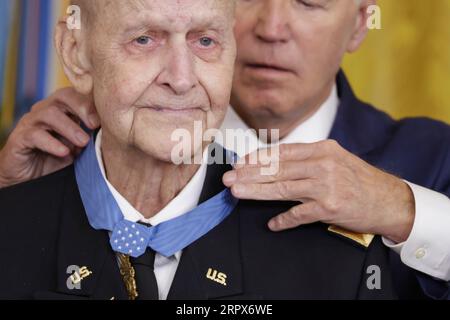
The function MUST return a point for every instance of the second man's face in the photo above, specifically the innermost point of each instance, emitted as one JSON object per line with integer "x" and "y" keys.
{"x": 289, "y": 52}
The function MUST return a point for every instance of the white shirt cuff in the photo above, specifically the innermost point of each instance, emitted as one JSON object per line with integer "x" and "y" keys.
{"x": 428, "y": 246}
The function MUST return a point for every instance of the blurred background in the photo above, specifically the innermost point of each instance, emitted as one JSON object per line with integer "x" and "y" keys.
{"x": 404, "y": 68}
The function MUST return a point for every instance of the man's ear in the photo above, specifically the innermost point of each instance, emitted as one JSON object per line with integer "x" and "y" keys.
{"x": 72, "y": 51}
{"x": 360, "y": 28}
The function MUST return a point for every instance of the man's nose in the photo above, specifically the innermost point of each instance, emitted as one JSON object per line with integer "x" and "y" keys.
{"x": 273, "y": 24}
{"x": 178, "y": 74}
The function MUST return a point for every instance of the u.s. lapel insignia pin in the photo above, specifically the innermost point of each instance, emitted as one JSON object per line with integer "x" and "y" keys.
{"x": 364, "y": 239}
{"x": 216, "y": 276}
{"x": 77, "y": 275}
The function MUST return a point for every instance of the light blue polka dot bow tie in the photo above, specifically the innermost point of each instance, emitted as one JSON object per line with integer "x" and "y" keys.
{"x": 133, "y": 238}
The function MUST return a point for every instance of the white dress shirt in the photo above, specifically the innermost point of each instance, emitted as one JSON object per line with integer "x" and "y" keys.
{"x": 428, "y": 247}
{"x": 185, "y": 201}
{"x": 316, "y": 128}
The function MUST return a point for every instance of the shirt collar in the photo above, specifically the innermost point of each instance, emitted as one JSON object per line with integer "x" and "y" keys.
{"x": 316, "y": 128}
{"x": 184, "y": 202}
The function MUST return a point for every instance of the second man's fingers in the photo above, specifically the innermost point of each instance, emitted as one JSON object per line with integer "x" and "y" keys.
{"x": 277, "y": 191}
{"x": 299, "y": 215}
{"x": 283, "y": 152}
{"x": 80, "y": 105}
{"x": 63, "y": 125}
{"x": 287, "y": 170}
{"x": 44, "y": 141}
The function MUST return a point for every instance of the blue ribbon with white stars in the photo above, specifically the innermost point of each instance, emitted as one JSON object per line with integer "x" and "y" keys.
{"x": 132, "y": 238}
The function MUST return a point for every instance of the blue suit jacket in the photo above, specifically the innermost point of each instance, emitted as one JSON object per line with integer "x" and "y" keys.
{"x": 415, "y": 149}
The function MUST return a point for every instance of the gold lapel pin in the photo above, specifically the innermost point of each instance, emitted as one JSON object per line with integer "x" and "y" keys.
{"x": 79, "y": 275}
{"x": 364, "y": 239}
{"x": 216, "y": 276}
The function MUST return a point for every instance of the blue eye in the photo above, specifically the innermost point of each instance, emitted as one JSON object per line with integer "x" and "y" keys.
{"x": 206, "y": 42}
{"x": 143, "y": 40}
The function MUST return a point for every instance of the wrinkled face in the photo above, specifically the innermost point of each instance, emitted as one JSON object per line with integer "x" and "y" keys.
{"x": 289, "y": 52}
{"x": 160, "y": 65}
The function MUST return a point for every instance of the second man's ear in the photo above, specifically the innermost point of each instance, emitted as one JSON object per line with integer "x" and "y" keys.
{"x": 71, "y": 48}
{"x": 360, "y": 28}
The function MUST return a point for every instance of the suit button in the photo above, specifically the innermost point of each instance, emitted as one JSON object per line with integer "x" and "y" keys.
{"x": 420, "y": 253}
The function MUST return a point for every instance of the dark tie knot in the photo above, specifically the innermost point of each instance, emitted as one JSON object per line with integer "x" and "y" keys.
{"x": 147, "y": 259}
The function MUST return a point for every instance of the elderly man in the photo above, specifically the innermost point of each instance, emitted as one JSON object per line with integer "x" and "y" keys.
{"x": 152, "y": 67}
{"x": 285, "y": 46}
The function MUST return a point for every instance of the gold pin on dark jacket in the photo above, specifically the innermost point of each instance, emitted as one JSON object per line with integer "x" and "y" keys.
{"x": 216, "y": 276}
{"x": 364, "y": 239}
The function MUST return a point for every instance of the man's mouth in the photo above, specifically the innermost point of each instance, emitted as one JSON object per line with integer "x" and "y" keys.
{"x": 266, "y": 67}
{"x": 164, "y": 109}
{"x": 172, "y": 109}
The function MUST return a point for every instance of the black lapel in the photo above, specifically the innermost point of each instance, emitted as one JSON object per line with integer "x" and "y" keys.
{"x": 80, "y": 245}
{"x": 210, "y": 268}
{"x": 213, "y": 180}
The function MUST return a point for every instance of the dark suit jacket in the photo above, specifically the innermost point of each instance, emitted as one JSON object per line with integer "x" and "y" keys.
{"x": 45, "y": 230}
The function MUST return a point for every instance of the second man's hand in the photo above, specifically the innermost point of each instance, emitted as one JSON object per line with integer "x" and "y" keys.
{"x": 334, "y": 186}
{"x": 48, "y": 138}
